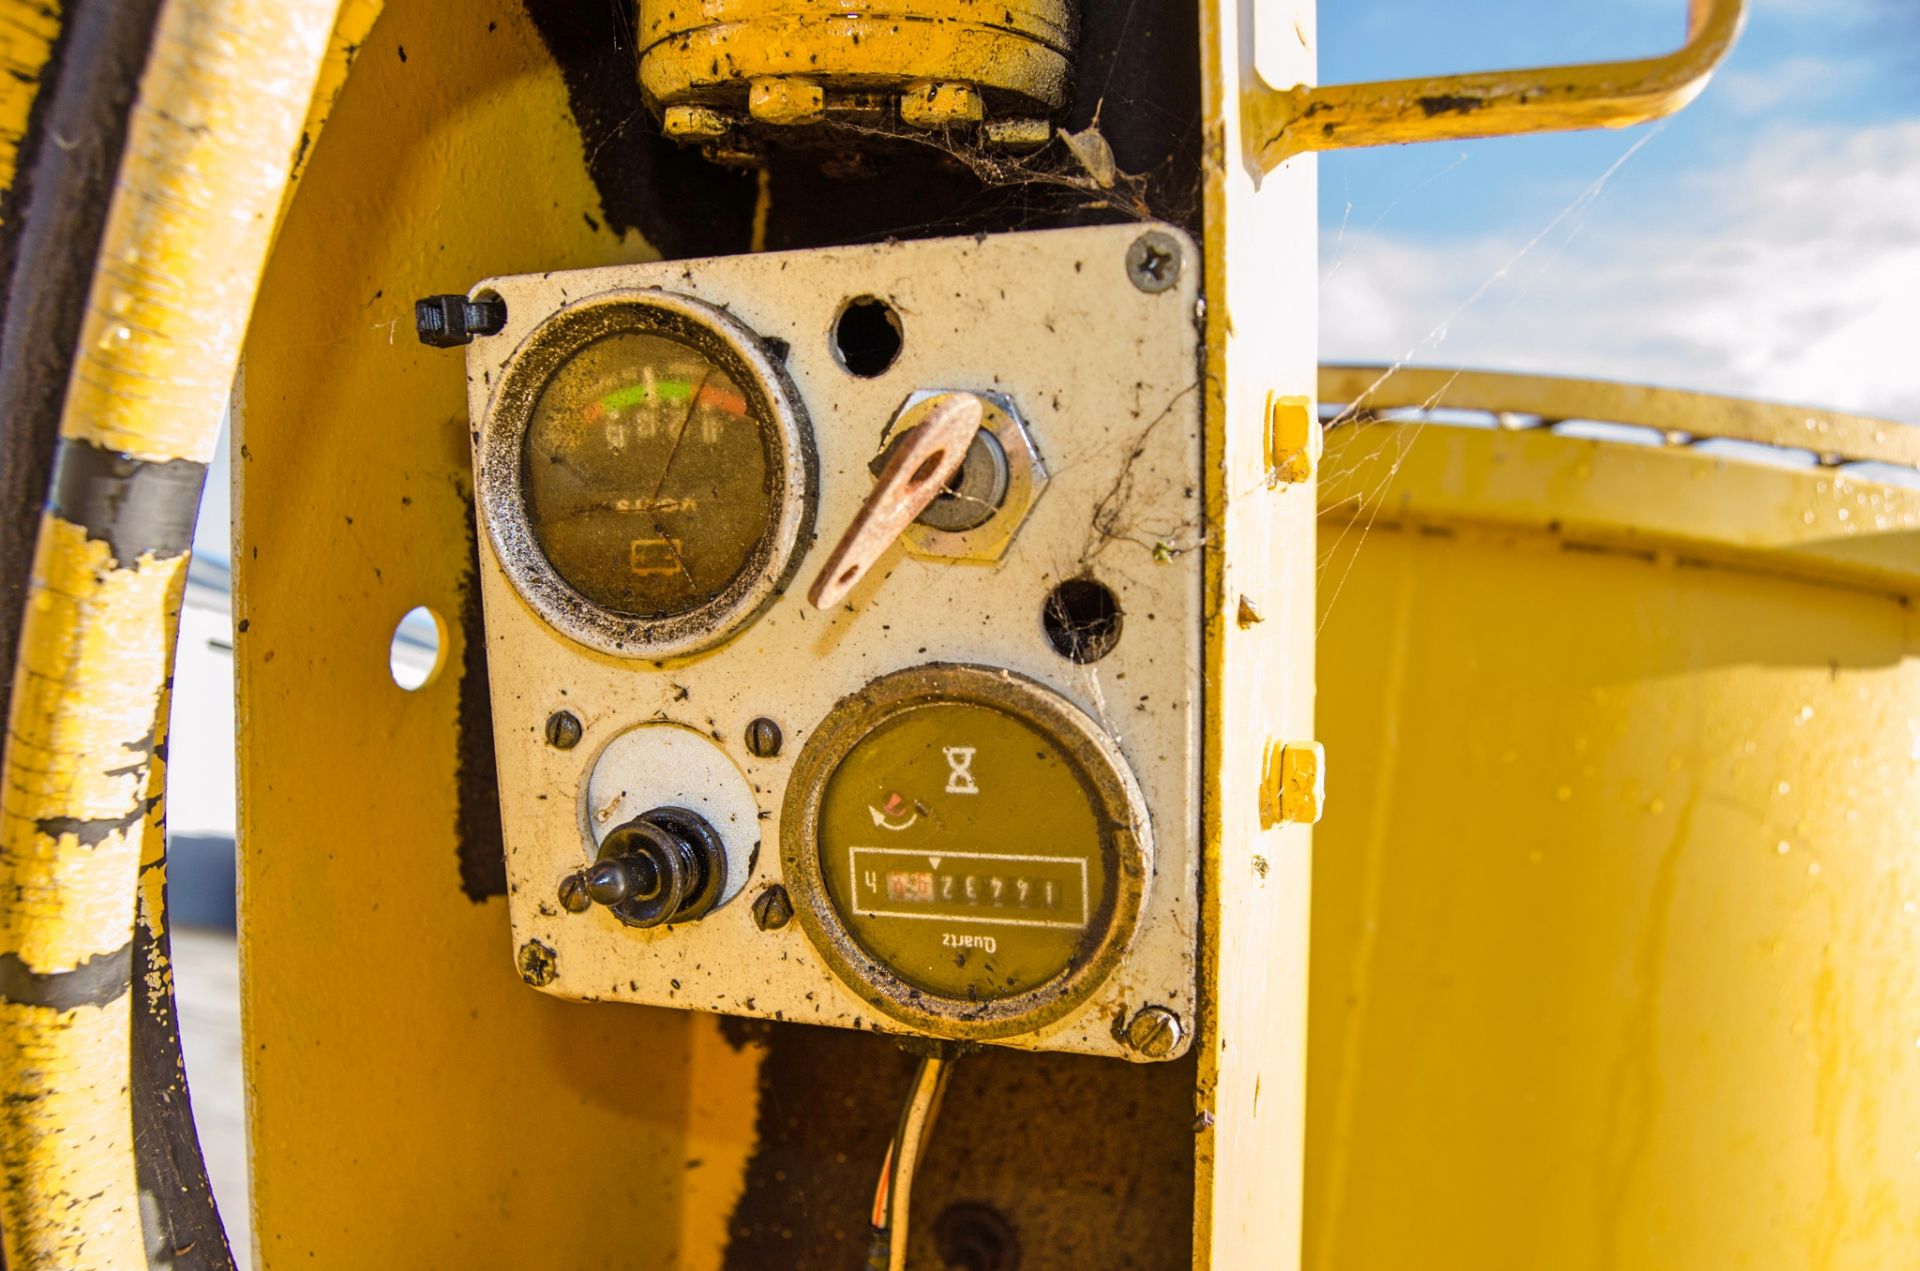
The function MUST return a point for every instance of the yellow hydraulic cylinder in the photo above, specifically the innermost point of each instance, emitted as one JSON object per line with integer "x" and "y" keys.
{"x": 1616, "y": 908}
{"x": 932, "y": 64}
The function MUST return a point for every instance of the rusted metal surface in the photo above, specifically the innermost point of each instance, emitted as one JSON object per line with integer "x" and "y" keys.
{"x": 923, "y": 460}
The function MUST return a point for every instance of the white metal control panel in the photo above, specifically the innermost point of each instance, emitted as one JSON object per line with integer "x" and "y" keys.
{"x": 964, "y": 802}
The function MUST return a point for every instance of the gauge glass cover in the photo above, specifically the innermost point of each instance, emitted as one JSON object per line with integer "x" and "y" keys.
{"x": 962, "y": 850}
{"x": 646, "y": 475}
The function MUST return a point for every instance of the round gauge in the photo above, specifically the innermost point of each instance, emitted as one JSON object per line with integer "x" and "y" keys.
{"x": 968, "y": 849}
{"x": 646, "y": 473}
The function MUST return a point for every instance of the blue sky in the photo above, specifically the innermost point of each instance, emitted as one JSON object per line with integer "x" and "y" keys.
{"x": 1764, "y": 242}
{"x": 1800, "y": 62}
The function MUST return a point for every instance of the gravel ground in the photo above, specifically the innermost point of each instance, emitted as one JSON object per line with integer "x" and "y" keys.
{"x": 206, "y": 977}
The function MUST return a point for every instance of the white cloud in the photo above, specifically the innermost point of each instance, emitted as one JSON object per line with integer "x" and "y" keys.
{"x": 1795, "y": 81}
{"x": 1791, "y": 273}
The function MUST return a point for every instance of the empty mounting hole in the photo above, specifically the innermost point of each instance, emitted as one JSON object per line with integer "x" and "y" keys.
{"x": 973, "y": 1236}
{"x": 418, "y": 649}
{"x": 1082, "y": 620}
{"x": 866, "y": 336}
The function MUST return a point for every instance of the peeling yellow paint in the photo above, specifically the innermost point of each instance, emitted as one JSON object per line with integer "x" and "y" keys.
{"x": 94, "y": 645}
{"x": 65, "y": 1077}
{"x": 219, "y": 109}
{"x": 28, "y": 29}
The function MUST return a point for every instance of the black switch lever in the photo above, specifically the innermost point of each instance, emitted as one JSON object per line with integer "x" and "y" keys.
{"x": 664, "y": 866}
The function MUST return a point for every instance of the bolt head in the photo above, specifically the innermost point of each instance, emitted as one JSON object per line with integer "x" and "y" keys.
{"x": 539, "y": 965}
{"x": 931, "y": 103}
{"x": 575, "y": 898}
{"x": 772, "y": 908}
{"x": 763, "y": 738}
{"x": 1153, "y": 261}
{"x": 695, "y": 123}
{"x": 1016, "y": 136}
{"x": 1155, "y": 1032}
{"x": 786, "y": 100}
{"x": 564, "y": 730}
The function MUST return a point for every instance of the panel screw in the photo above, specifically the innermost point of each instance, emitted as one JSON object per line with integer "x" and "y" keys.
{"x": 574, "y": 897}
{"x": 1293, "y": 783}
{"x": 1155, "y": 1032}
{"x": 772, "y": 908}
{"x": 763, "y": 738}
{"x": 1153, "y": 262}
{"x": 563, "y": 730}
{"x": 538, "y": 964}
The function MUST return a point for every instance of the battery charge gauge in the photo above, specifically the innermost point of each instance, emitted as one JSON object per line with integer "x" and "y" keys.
{"x": 968, "y": 849}
{"x": 646, "y": 473}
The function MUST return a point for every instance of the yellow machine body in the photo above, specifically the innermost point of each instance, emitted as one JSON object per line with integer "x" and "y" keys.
{"x": 1616, "y": 910}
{"x": 412, "y": 1103}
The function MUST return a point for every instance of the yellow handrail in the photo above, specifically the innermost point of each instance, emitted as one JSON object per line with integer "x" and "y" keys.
{"x": 1835, "y": 436}
{"x": 1280, "y": 123}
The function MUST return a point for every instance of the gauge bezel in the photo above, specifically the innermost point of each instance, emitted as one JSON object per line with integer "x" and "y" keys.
{"x": 716, "y": 334}
{"x": 1106, "y": 776}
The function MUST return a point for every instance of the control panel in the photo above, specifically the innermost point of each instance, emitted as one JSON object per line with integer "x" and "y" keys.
{"x": 844, "y": 623}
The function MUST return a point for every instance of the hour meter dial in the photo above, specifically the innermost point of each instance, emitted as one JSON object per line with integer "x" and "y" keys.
{"x": 968, "y": 849}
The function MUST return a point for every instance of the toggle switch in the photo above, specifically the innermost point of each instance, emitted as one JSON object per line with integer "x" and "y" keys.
{"x": 664, "y": 866}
